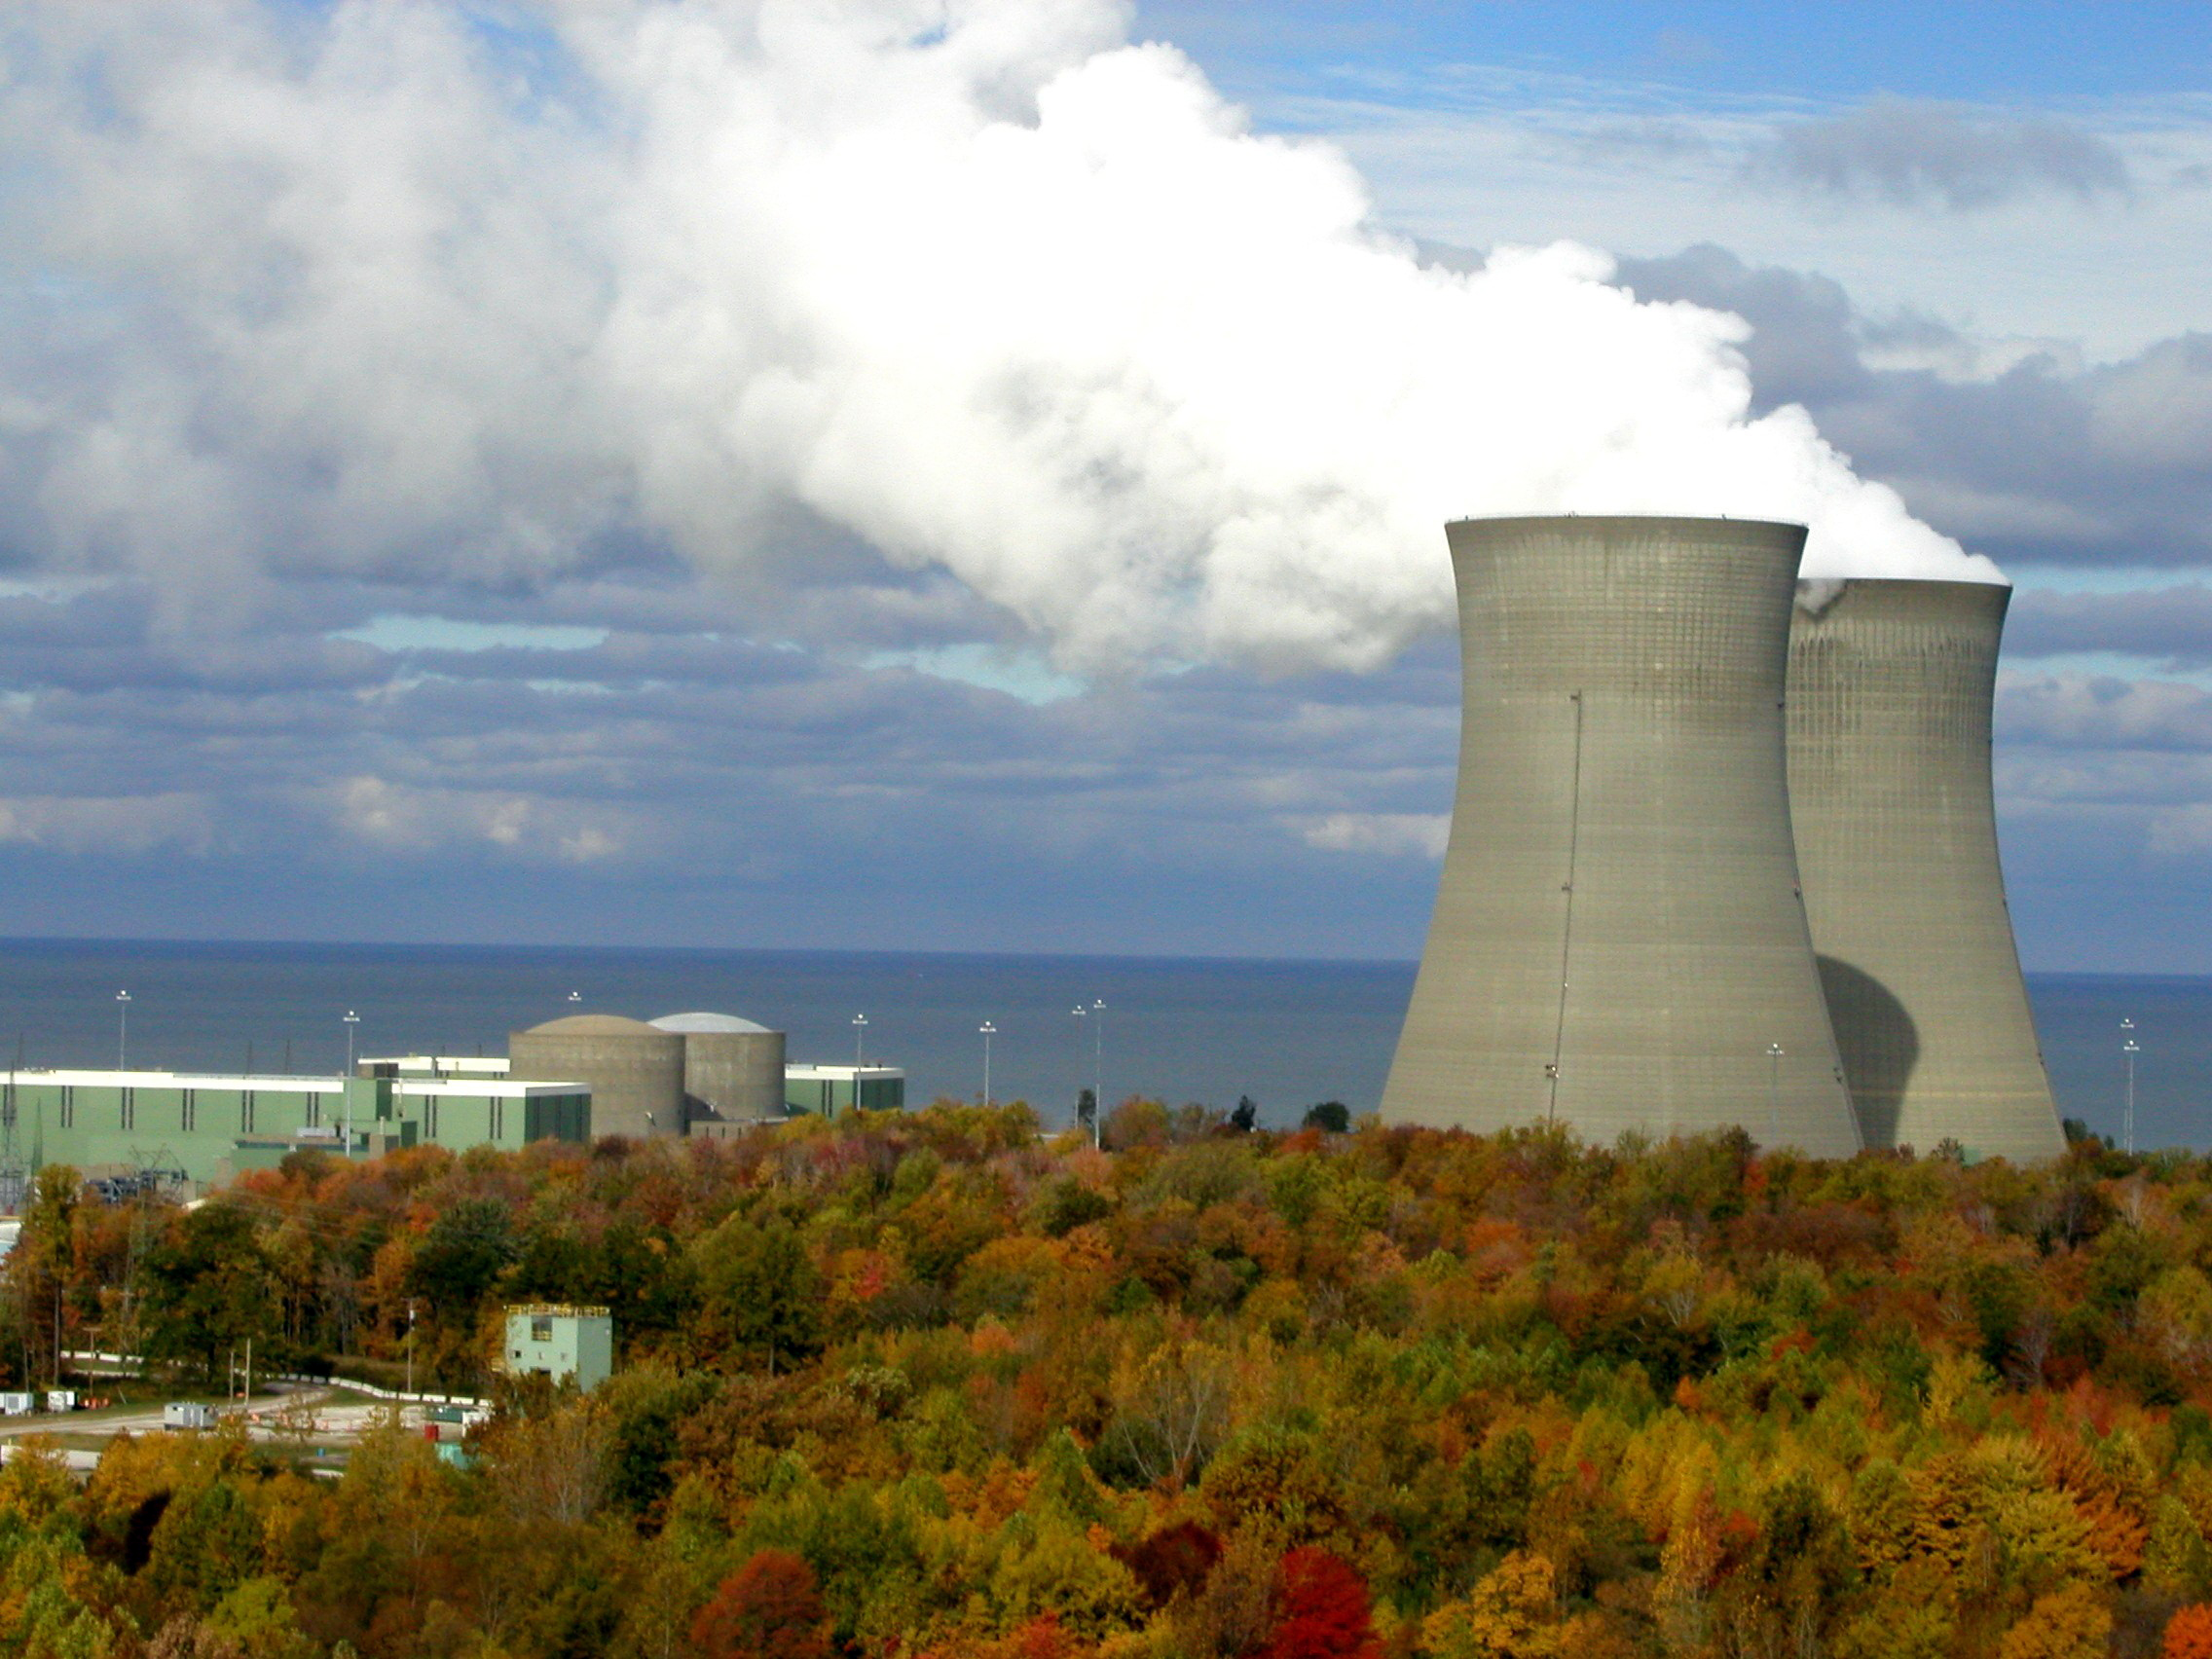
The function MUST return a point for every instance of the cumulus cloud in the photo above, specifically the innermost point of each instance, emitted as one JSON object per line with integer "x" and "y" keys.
{"x": 371, "y": 293}
{"x": 1419, "y": 834}
{"x": 1909, "y": 151}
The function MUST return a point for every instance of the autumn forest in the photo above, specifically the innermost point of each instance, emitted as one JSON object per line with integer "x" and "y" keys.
{"x": 936, "y": 1384}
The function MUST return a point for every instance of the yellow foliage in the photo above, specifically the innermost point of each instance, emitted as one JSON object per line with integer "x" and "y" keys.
{"x": 2072, "y": 1623}
{"x": 1509, "y": 1615}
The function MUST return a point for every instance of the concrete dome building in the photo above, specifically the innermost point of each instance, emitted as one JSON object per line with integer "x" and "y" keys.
{"x": 733, "y": 1069}
{"x": 636, "y": 1072}
{"x": 1618, "y": 941}
{"x": 1890, "y": 691}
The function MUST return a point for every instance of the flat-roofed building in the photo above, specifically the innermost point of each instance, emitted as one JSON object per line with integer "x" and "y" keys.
{"x": 825, "y": 1089}
{"x": 201, "y": 1129}
{"x": 561, "y": 1342}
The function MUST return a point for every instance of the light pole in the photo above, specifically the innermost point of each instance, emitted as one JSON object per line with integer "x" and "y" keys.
{"x": 1098, "y": 1057}
{"x": 990, "y": 1031}
{"x": 123, "y": 1031}
{"x": 575, "y": 996}
{"x": 346, "y": 1083}
{"x": 1773, "y": 1093}
{"x": 2129, "y": 1051}
{"x": 1096, "y": 1015}
{"x": 859, "y": 1048}
{"x": 411, "y": 1345}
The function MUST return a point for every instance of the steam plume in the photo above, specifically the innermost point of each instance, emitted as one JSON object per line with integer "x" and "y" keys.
{"x": 979, "y": 282}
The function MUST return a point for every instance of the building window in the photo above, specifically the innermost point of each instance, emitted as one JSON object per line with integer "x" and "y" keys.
{"x": 315, "y": 1111}
{"x": 245, "y": 1112}
{"x": 188, "y": 1110}
{"x": 430, "y": 1118}
{"x": 130, "y": 1108}
{"x": 541, "y": 1327}
{"x": 499, "y": 1119}
{"x": 68, "y": 1105}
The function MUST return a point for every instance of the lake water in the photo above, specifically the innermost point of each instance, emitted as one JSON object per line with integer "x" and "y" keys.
{"x": 1286, "y": 1033}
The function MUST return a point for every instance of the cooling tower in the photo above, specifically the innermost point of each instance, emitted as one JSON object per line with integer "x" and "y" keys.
{"x": 1890, "y": 689}
{"x": 1618, "y": 941}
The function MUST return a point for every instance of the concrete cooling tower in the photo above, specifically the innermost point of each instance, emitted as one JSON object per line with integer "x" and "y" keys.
{"x": 1618, "y": 941}
{"x": 1890, "y": 691}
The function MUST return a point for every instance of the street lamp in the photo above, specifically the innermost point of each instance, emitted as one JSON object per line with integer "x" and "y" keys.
{"x": 1096, "y": 1015}
{"x": 123, "y": 1031}
{"x": 990, "y": 1031}
{"x": 859, "y": 1048}
{"x": 1098, "y": 1054}
{"x": 2130, "y": 1050}
{"x": 411, "y": 1345}
{"x": 351, "y": 1019}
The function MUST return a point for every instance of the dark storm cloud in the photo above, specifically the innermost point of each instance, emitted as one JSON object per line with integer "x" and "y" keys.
{"x": 1910, "y": 152}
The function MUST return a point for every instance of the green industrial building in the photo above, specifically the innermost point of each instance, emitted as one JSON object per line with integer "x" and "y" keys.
{"x": 200, "y": 1130}
{"x": 827, "y": 1090}
{"x": 560, "y": 1341}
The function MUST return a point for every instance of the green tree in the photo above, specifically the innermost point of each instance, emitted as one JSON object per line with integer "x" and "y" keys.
{"x": 208, "y": 1289}
{"x": 762, "y": 1292}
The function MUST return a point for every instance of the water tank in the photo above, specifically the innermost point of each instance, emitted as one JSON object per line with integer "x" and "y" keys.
{"x": 733, "y": 1069}
{"x": 1618, "y": 941}
{"x": 636, "y": 1073}
{"x": 1890, "y": 691}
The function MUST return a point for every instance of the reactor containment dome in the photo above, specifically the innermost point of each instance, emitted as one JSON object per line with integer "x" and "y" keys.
{"x": 1619, "y": 942}
{"x": 1890, "y": 691}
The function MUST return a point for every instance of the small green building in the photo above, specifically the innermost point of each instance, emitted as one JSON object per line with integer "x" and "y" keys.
{"x": 827, "y": 1090}
{"x": 555, "y": 1340}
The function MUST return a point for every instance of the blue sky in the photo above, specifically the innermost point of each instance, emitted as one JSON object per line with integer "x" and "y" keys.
{"x": 386, "y": 553}
{"x": 1976, "y": 52}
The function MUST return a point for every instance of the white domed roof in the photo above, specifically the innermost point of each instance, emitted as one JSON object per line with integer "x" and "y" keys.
{"x": 705, "y": 1024}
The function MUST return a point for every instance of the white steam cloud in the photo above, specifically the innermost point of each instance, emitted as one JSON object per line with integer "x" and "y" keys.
{"x": 399, "y": 288}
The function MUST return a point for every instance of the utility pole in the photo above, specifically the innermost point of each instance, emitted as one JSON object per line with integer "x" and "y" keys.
{"x": 990, "y": 1031}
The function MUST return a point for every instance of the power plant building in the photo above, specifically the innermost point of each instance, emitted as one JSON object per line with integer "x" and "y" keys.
{"x": 201, "y": 1129}
{"x": 826, "y": 1090}
{"x": 634, "y": 1072}
{"x": 1619, "y": 942}
{"x": 733, "y": 1070}
{"x": 1891, "y": 684}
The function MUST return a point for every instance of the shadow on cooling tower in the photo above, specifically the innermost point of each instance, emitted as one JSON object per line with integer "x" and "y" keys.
{"x": 1879, "y": 1043}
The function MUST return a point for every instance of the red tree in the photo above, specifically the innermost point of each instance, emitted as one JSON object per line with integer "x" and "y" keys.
{"x": 2189, "y": 1634}
{"x": 769, "y": 1608}
{"x": 1325, "y": 1612}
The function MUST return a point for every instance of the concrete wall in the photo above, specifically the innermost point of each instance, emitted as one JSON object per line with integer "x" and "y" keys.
{"x": 736, "y": 1075}
{"x": 636, "y": 1076}
{"x": 1890, "y": 689}
{"x": 1618, "y": 936}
